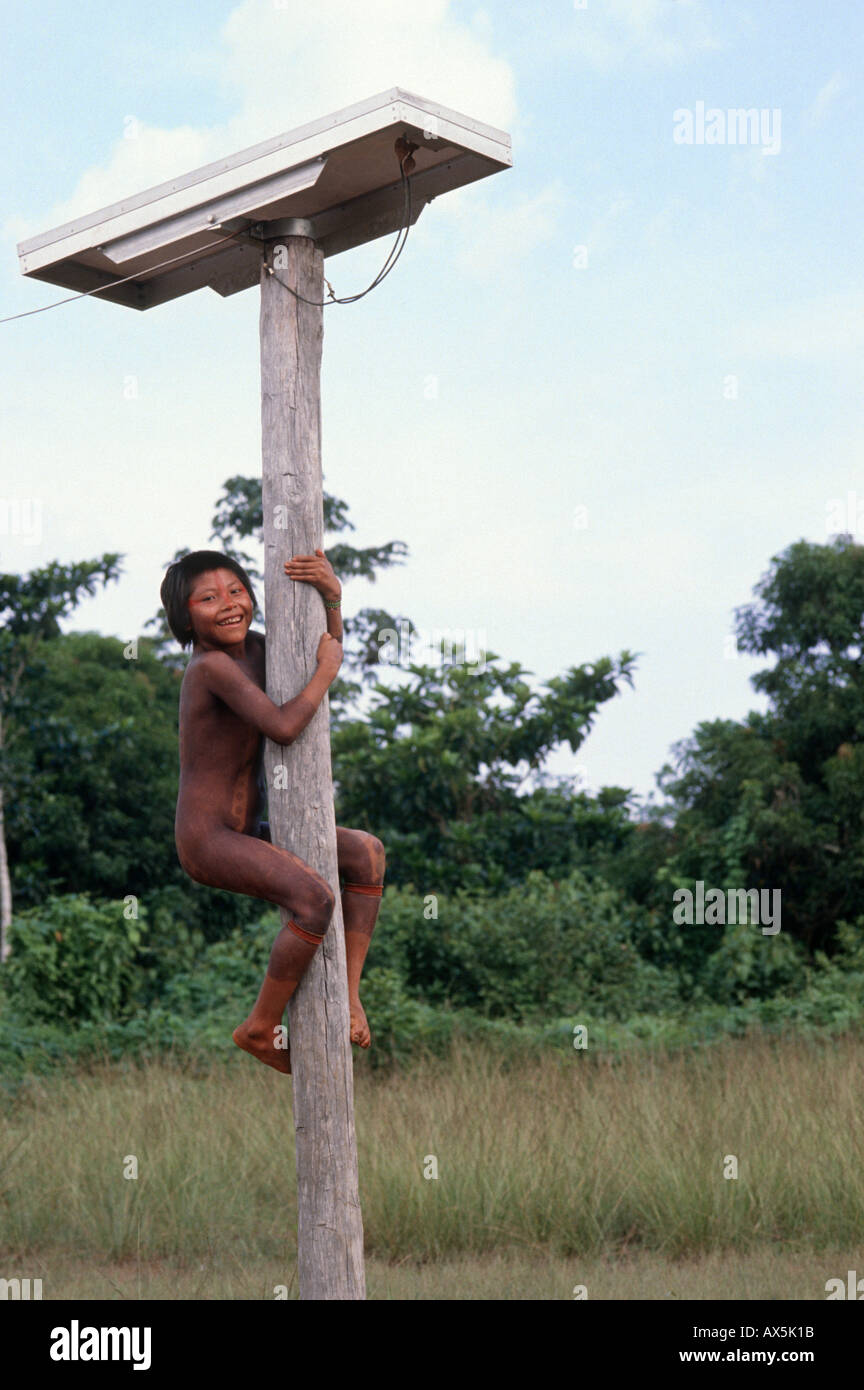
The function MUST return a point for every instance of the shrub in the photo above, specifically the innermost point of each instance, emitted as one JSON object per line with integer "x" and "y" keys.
{"x": 748, "y": 965}
{"x": 73, "y": 960}
{"x": 548, "y": 948}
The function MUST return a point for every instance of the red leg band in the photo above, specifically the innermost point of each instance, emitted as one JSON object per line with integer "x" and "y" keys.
{"x": 304, "y": 935}
{"x": 374, "y": 890}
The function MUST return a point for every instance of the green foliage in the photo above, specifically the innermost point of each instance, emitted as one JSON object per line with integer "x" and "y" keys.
{"x": 55, "y": 1013}
{"x": 32, "y": 605}
{"x": 239, "y": 517}
{"x": 95, "y": 811}
{"x": 748, "y": 965}
{"x": 73, "y": 960}
{"x": 31, "y": 608}
{"x": 779, "y": 796}
{"x": 228, "y": 974}
{"x": 437, "y": 768}
{"x": 808, "y": 615}
{"x": 172, "y": 946}
{"x": 91, "y": 805}
{"x": 544, "y": 949}
{"x": 401, "y": 1025}
{"x": 552, "y": 903}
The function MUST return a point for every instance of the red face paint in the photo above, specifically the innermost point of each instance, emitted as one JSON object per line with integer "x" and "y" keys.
{"x": 220, "y": 610}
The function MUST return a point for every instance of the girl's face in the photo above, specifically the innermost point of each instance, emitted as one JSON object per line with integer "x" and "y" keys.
{"x": 220, "y": 609}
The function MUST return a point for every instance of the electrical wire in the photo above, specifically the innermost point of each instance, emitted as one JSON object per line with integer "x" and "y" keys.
{"x": 385, "y": 269}
{"x": 401, "y": 238}
{"x": 100, "y": 289}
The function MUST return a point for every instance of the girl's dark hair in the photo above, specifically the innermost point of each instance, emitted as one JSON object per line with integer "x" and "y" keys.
{"x": 178, "y": 583}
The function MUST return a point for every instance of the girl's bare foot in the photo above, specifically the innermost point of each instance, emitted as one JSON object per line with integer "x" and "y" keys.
{"x": 360, "y": 1033}
{"x": 262, "y": 1045}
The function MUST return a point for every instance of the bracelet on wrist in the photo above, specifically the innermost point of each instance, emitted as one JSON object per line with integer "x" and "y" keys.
{"x": 332, "y": 602}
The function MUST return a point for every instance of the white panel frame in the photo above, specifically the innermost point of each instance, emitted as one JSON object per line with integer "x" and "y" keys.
{"x": 205, "y": 187}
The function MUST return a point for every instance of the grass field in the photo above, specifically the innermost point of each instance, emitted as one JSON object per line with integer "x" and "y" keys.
{"x": 552, "y": 1173}
{"x": 511, "y": 1275}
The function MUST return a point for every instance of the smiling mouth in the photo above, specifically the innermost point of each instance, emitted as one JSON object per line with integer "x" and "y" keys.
{"x": 231, "y": 622}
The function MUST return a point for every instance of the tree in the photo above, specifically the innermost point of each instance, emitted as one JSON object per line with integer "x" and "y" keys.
{"x": 31, "y": 608}
{"x": 777, "y": 800}
{"x": 96, "y": 792}
{"x": 810, "y": 617}
{"x": 440, "y": 765}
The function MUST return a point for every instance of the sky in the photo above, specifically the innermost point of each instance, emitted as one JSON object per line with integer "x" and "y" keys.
{"x": 600, "y": 390}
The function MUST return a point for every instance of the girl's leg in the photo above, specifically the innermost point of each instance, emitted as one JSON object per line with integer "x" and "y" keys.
{"x": 361, "y": 865}
{"x": 241, "y": 863}
{"x": 263, "y": 1033}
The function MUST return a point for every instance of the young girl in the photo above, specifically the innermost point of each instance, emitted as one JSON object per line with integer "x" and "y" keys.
{"x": 221, "y": 841}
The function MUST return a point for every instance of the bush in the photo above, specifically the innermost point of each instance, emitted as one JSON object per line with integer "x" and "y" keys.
{"x": 172, "y": 946}
{"x": 227, "y": 975}
{"x": 748, "y": 965}
{"x": 73, "y": 960}
{"x": 550, "y": 947}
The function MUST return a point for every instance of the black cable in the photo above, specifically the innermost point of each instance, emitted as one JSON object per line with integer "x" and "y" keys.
{"x": 385, "y": 269}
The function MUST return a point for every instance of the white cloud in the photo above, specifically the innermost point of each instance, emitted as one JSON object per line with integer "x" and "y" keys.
{"x": 674, "y": 217}
{"x": 664, "y": 31}
{"x": 600, "y": 233}
{"x": 489, "y": 235}
{"x": 146, "y": 157}
{"x": 819, "y": 108}
{"x": 291, "y": 63}
{"x": 818, "y": 328}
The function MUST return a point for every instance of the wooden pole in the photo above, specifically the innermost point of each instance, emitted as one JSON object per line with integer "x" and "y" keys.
{"x": 299, "y": 778}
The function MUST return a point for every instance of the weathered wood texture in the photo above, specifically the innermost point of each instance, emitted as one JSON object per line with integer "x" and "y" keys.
{"x": 299, "y": 777}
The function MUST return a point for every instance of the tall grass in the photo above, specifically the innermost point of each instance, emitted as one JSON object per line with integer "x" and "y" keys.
{"x": 559, "y": 1156}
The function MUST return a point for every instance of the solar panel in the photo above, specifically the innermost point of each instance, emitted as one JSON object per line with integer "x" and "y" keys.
{"x": 336, "y": 180}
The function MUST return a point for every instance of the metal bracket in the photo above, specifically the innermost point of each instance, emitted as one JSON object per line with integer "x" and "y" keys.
{"x": 289, "y": 226}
